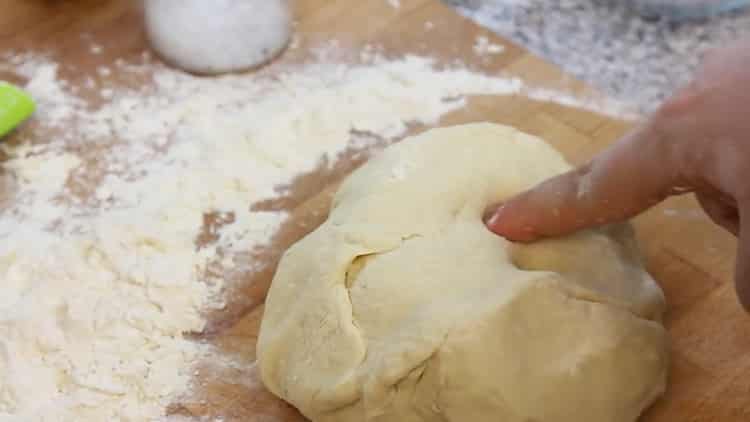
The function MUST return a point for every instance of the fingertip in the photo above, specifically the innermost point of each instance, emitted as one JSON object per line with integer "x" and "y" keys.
{"x": 503, "y": 223}
{"x": 493, "y": 222}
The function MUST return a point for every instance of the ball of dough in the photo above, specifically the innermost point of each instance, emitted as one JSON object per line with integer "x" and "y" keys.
{"x": 217, "y": 36}
{"x": 403, "y": 307}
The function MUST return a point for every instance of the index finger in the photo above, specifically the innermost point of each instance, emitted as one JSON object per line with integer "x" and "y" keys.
{"x": 630, "y": 176}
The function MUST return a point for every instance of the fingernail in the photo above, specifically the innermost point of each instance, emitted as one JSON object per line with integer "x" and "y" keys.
{"x": 495, "y": 217}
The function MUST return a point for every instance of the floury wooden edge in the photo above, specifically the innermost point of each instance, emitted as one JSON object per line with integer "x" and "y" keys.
{"x": 692, "y": 259}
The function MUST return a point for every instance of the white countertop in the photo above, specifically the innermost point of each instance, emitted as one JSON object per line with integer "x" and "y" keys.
{"x": 605, "y": 44}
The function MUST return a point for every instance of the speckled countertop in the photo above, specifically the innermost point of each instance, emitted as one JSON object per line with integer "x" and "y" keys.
{"x": 604, "y": 43}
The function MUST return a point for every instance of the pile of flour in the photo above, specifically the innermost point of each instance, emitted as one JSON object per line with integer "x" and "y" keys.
{"x": 100, "y": 265}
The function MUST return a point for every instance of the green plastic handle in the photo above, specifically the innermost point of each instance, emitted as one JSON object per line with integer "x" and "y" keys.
{"x": 15, "y": 107}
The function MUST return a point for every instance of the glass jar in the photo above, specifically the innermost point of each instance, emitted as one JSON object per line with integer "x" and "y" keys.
{"x": 217, "y": 36}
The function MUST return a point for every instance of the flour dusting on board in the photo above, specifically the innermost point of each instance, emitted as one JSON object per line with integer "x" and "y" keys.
{"x": 483, "y": 46}
{"x": 102, "y": 271}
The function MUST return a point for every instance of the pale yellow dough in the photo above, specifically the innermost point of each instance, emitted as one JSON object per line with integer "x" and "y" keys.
{"x": 403, "y": 307}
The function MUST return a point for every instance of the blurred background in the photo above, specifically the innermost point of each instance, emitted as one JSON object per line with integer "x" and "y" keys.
{"x": 614, "y": 45}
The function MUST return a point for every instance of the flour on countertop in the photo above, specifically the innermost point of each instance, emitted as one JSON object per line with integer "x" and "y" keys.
{"x": 607, "y": 45}
{"x": 483, "y": 46}
{"x": 102, "y": 274}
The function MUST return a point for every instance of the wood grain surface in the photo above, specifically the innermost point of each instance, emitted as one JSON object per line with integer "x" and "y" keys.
{"x": 692, "y": 259}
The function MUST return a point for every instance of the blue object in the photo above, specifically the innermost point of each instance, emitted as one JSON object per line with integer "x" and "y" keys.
{"x": 685, "y": 10}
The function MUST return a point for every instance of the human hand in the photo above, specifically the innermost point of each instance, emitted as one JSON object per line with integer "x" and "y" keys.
{"x": 698, "y": 141}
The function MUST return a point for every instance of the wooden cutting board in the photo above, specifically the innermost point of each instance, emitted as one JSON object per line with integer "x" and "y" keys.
{"x": 692, "y": 259}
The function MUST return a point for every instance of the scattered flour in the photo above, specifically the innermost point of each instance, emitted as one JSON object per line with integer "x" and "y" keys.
{"x": 483, "y": 46}
{"x": 101, "y": 270}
